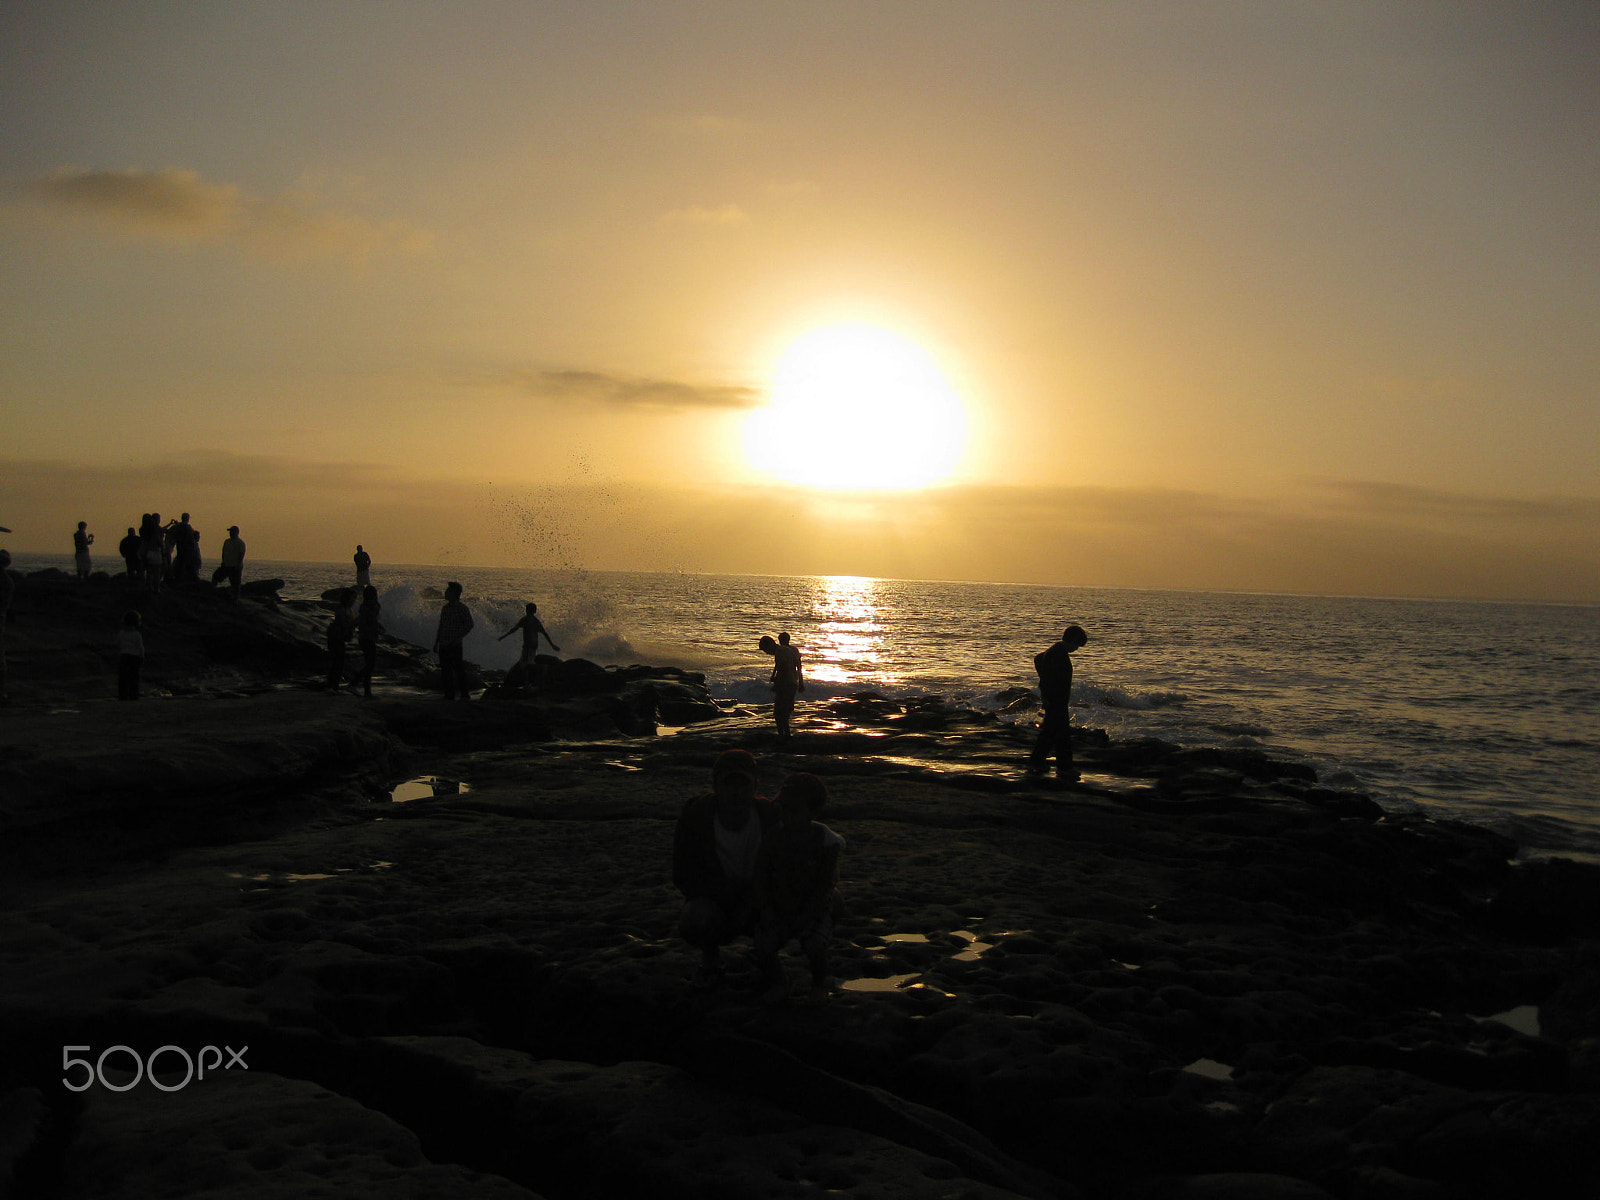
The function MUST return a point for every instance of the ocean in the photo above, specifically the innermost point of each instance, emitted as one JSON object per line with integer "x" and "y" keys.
{"x": 1477, "y": 711}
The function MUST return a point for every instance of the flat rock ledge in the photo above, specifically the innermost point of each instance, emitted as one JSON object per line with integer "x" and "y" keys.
{"x": 1195, "y": 974}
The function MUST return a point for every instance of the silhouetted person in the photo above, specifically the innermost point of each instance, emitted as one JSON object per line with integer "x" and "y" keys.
{"x": 8, "y": 589}
{"x": 150, "y": 542}
{"x": 339, "y": 631}
{"x": 232, "y": 568}
{"x": 169, "y": 541}
{"x": 797, "y": 875}
{"x": 715, "y": 847}
{"x": 369, "y": 626}
{"x": 1055, "y": 690}
{"x": 130, "y": 656}
{"x": 185, "y": 551}
{"x": 132, "y": 553}
{"x": 82, "y": 539}
{"x": 363, "y": 562}
{"x": 532, "y": 628}
{"x": 455, "y": 622}
{"x": 787, "y": 679}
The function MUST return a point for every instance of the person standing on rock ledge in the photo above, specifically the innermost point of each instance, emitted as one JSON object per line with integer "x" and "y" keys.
{"x": 1055, "y": 690}
{"x": 363, "y": 562}
{"x": 7, "y": 590}
{"x": 455, "y": 622}
{"x": 81, "y": 541}
{"x": 232, "y": 568}
{"x": 715, "y": 847}
{"x": 531, "y": 628}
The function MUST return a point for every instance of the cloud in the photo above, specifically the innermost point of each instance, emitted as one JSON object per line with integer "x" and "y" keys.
{"x": 1065, "y": 536}
{"x": 598, "y": 387}
{"x": 695, "y": 214}
{"x": 1392, "y": 500}
{"x": 181, "y": 206}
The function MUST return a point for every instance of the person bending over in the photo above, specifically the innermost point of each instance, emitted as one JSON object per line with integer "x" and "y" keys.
{"x": 1055, "y": 690}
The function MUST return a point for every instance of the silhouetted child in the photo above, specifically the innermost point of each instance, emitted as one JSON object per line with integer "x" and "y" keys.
{"x": 130, "y": 657}
{"x": 796, "y": 887}
{"x": 531, "y": 628}
{"x": 369, "y": 625}
{"x": 339, "y": 630}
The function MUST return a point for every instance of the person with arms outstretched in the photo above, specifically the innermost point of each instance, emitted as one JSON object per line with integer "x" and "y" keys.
{"x": 532, "y": 629}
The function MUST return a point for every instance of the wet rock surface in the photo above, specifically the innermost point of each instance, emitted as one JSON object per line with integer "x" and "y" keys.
{"x": 1192, "y": 974}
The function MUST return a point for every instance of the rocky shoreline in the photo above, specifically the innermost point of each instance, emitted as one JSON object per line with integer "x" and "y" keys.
{"x": 1197, "y": 974}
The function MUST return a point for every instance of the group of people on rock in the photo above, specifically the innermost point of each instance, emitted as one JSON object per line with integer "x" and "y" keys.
{"x": 155, "y": 554}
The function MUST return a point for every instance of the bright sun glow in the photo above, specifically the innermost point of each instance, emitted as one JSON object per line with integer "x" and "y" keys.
{"x": 856, "y": 406}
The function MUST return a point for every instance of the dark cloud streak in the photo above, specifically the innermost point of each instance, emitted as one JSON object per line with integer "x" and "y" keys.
{"x": 599, "y": 387}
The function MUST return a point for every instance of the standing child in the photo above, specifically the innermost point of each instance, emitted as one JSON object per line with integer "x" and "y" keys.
{"x": 532, "y": 628}
{"x": 339, "y": 631}
{"x": 130, "y": 658}
{"x": 796, "y": 887}
{"x": 369, "y": 626}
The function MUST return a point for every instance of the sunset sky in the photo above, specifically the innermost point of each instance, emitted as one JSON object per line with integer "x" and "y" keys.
{"x": 1261, "y": 296}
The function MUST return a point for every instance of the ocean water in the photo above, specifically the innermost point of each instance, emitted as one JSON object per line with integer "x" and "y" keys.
{"x": 1485, "y": 712}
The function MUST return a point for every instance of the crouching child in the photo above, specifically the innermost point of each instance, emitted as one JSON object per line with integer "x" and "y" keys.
{"x": 796, "y": 887}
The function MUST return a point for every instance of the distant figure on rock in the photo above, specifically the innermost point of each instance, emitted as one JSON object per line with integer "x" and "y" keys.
{"x": 339, "y": 631}
{"x": 185, "y": 551}
{"x": 150, "y": 543}
{"x": 532, "y": 628}
{"x": 787, "y": 679}
{"x": 130, "y": 655}
{"x": 369, "y": 626}
{"x": 8, "y": 589}
{"x": 455, "y": 622}
{"x": 796, "y": 887}
{"x": 232, "y": 568}
{"x": 1055, "y": 690}
{"x": 81, "y": 541}
{"x": 363, "y": 562}
{"x": 132, "y": 552}
{"x": 715, "y": 847}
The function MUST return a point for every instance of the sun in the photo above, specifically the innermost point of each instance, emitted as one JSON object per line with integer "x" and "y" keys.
{"x": 857, "y": 406}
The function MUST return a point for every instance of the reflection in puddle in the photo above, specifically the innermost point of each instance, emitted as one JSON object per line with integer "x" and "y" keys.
{"x": 1524, "y": 1019}
{"x": 975, "y": 946}
{"x": 304, "y": 876}
{"x": 894, "y": 983}
{"x": 427, "y": 786}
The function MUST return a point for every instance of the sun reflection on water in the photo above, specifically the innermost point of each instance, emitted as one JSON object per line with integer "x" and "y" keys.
{"x": 846, "y": 640}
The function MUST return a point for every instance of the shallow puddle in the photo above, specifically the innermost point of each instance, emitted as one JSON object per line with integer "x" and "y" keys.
{"x": 305, "y": 876}
{"x": 1210, "y": 1068}
{"x": 427, "y": 786}
{"x": 1524, "y": 1019}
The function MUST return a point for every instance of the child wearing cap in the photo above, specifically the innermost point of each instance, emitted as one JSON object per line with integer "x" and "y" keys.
{"x": 796, "y": 885}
